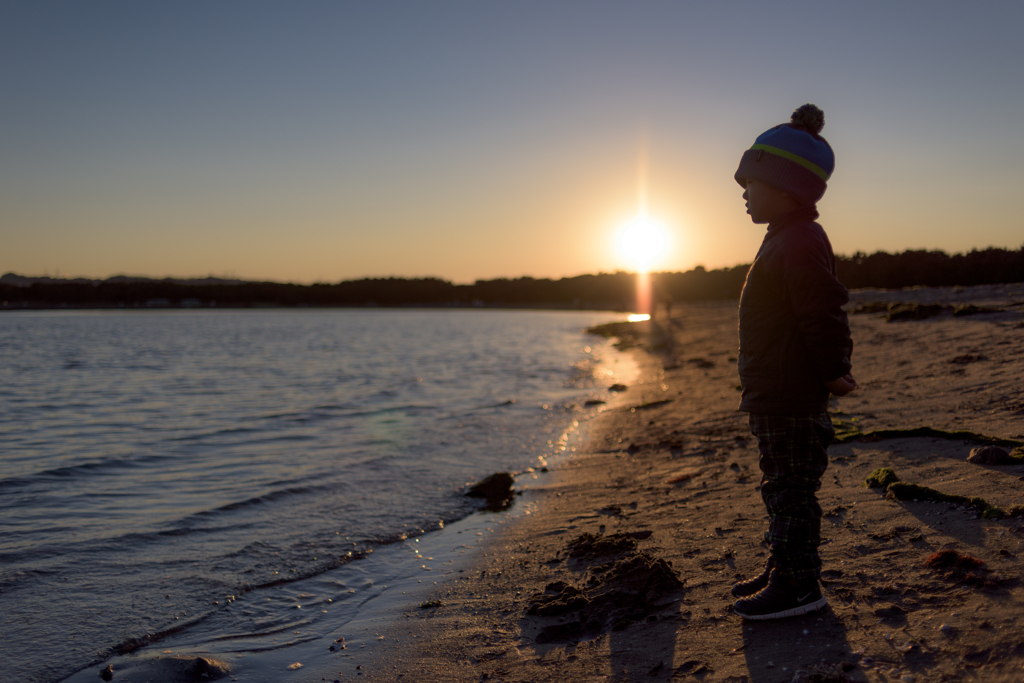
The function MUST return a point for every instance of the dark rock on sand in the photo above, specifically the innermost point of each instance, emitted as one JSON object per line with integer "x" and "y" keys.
{"x": 991, "y": 455}
{"x": 206, "y": 669}
{"x": 169, "y": 669}
{"x": 617, "y": 387}
{"x": 496, "y": 489}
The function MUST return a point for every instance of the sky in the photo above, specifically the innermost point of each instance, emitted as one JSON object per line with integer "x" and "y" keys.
{"x": 323, "y": 141}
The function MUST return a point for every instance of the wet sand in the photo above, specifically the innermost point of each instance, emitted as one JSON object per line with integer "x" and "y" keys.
{"x": 623, "y": 571}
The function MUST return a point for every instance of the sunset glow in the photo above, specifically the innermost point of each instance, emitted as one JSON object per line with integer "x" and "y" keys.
{"x": 549, "y": 140}
{"x": 642, "y": 242}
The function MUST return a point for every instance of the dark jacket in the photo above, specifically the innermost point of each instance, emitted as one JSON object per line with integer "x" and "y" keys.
{"x": 794, "y": 334}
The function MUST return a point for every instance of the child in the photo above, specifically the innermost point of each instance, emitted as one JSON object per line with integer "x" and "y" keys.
{"x": 795, "y": 349}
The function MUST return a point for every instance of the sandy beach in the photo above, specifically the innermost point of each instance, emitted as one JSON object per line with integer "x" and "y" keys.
{"x": 623, "y": 571}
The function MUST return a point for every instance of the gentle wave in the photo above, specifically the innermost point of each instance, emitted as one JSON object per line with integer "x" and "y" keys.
{"x": 209, "y": 453}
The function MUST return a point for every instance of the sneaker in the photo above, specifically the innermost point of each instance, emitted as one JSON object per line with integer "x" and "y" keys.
{"x": 781, "y": 599}
{"x": 751, "y": 586}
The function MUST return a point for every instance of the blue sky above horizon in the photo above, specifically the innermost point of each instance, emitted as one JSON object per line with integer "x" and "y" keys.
{"x": 321, "y": 141}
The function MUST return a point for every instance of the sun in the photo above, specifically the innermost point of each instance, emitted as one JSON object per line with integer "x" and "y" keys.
{"x": 642, "y": 241}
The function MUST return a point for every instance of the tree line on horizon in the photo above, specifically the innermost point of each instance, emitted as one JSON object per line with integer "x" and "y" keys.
{"x": 604, "y": 291}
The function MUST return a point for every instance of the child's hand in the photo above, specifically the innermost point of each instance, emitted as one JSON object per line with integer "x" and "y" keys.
{"x": 841, "y": 386}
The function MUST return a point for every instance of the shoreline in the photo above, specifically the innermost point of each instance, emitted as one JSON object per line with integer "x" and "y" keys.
{"x": 671, "y": 466}
{"x": 356, "y": 599}
{"x": 677, "y": 479}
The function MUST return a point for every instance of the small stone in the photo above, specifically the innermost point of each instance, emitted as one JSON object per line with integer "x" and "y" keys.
{"x": 496, "y": 489}
{"x": 108, "y": 673}
{"x": 991, "y": 455}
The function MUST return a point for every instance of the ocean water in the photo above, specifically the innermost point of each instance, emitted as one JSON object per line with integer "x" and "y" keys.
{"x": 154, "y": 463}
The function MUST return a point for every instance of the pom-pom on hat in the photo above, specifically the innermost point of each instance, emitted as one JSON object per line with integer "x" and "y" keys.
{"x": 792, "y": 157}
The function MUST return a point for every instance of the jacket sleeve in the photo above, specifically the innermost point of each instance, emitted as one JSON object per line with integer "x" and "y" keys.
{"x": 817, "y": 299}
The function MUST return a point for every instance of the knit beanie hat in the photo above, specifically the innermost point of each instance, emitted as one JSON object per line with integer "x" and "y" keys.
{"x": 792, "y": 157}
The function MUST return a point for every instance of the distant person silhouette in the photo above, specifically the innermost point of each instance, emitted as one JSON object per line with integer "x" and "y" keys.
{"x": 795, "y": 349}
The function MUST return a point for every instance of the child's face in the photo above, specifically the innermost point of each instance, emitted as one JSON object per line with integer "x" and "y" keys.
{"x": 766, "y": 203}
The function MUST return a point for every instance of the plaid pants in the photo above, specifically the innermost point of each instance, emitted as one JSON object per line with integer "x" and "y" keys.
{"x": 793, "y": 458}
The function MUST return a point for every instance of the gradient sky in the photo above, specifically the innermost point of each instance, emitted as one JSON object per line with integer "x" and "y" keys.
{"x": 320, "y": 141}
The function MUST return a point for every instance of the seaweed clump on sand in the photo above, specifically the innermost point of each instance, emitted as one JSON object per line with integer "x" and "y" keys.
{"x": 913, "y": 311}
{"x": 871, "y": 307}
{"x": 589, "y": 546}
{"x": 902, "y": 490}
{"x": 628, "y": 334}
{"x": 959, "y": 567}
{"x": 886, "y": 478}
{"x": 628, "y": 589}
{"x": 615, "y": 596}
{"x": 930, "y": 432}
{"x": 916, "y": 311}
{"x": 881, "y": 478}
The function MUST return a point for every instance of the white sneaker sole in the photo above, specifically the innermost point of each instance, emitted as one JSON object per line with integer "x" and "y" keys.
{"x": 795, "y": 612}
